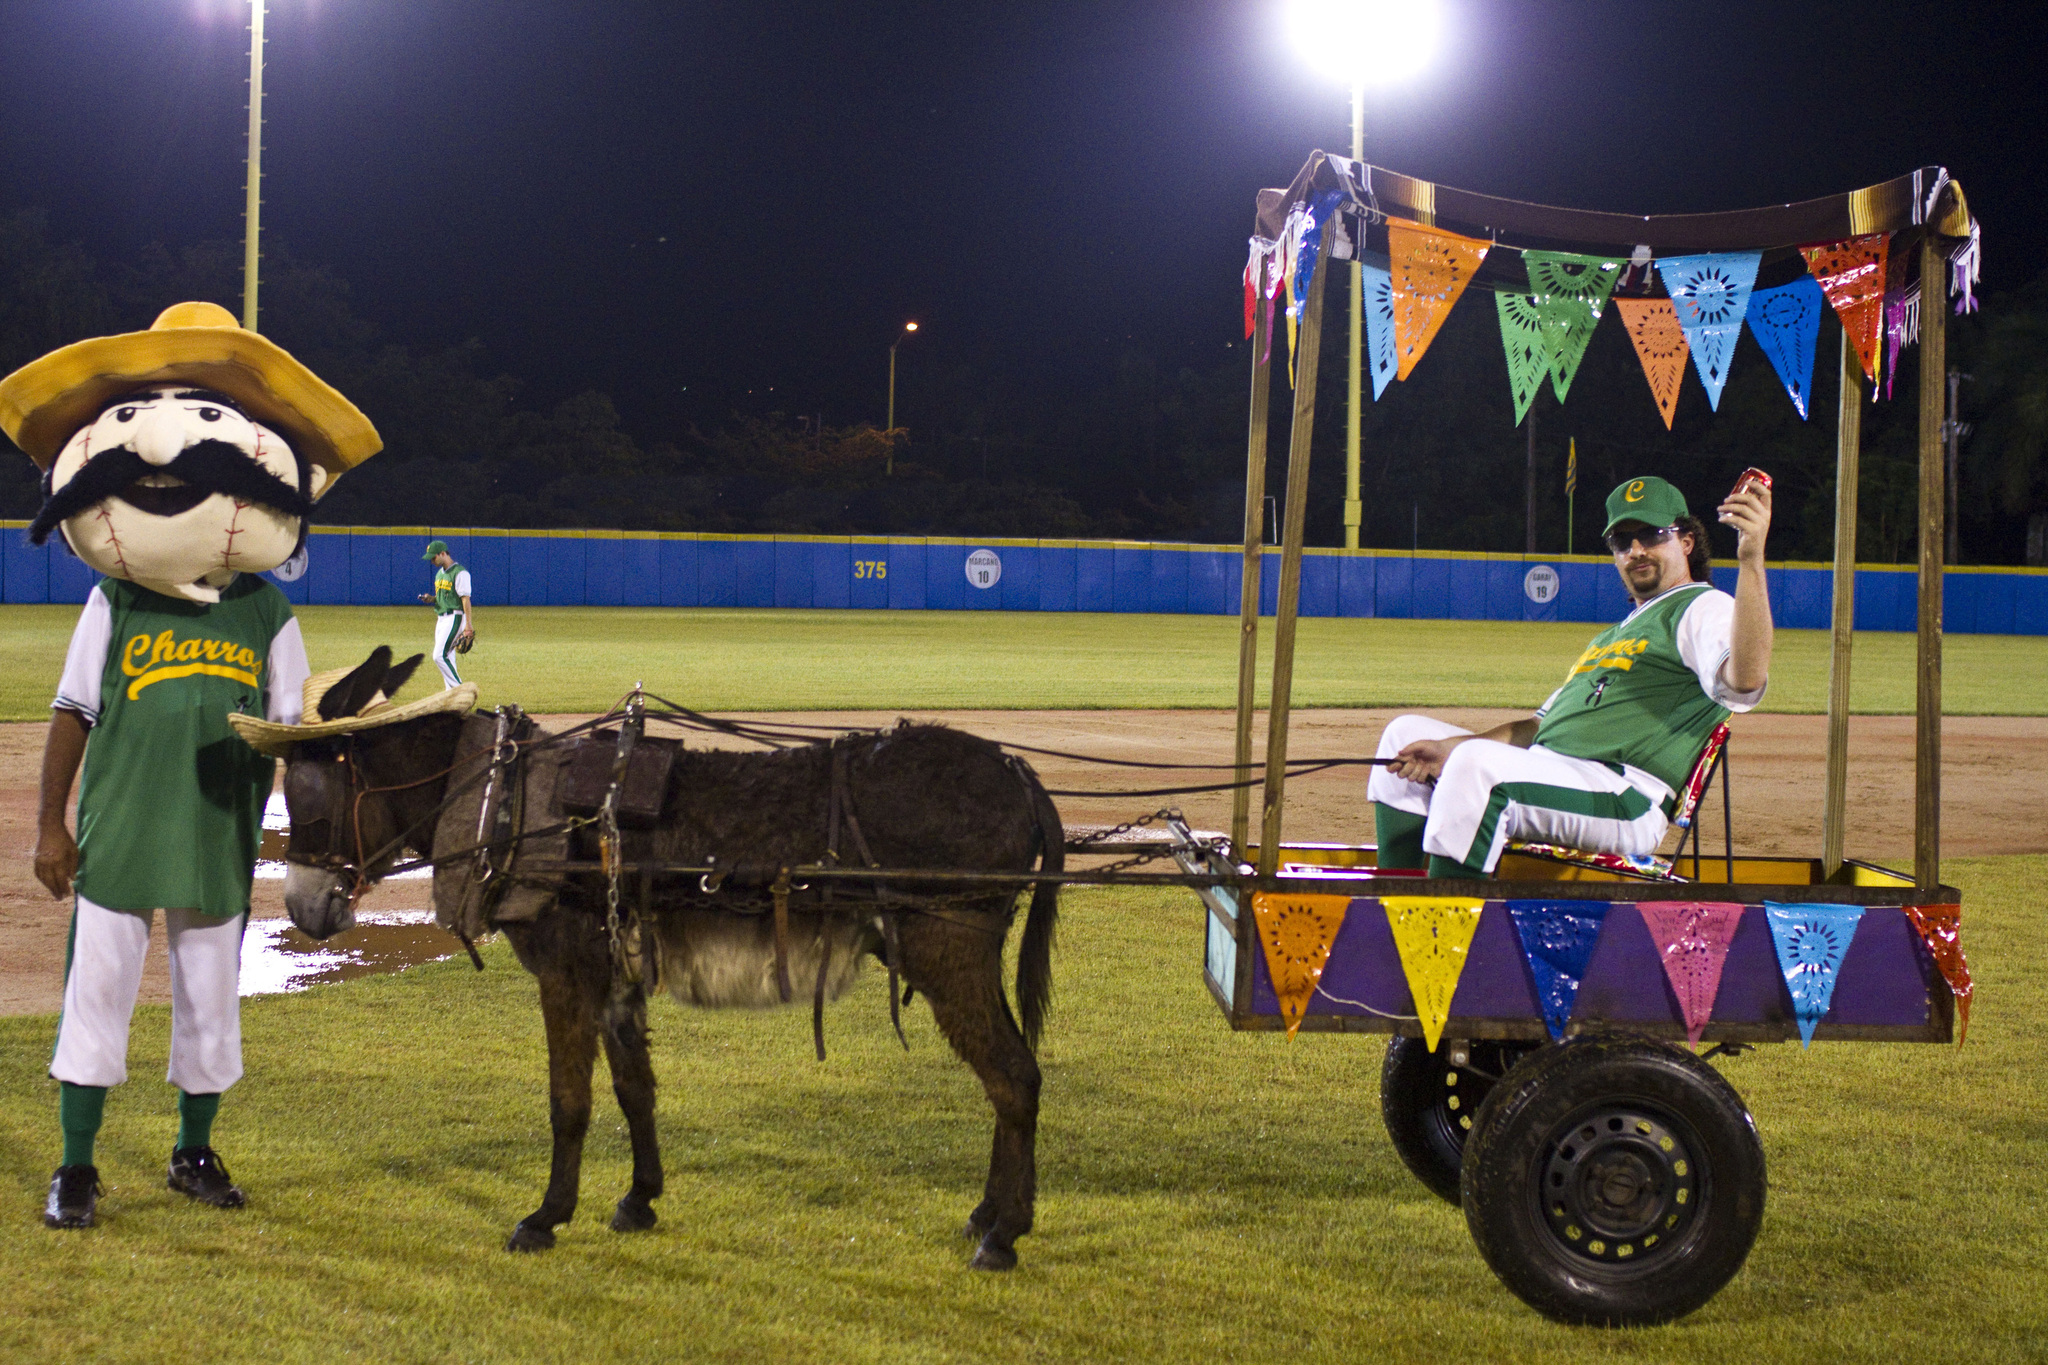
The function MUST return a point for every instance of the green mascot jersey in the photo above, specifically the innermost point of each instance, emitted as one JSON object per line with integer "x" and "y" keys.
{"x": 1630, "y": 698}
{"x": 446, "y": 599}
{"x": 170, "y": 812}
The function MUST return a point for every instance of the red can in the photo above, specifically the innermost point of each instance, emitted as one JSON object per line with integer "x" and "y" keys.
{"x": 1749, "y": 476}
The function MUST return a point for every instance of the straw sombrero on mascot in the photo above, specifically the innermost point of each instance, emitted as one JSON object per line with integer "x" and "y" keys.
{"x": 183, "y": 455}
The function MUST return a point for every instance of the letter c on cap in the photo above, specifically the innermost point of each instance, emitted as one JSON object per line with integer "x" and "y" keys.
{"x": 1634, "y": 492}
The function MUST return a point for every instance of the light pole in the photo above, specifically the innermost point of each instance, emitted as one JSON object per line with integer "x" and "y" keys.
{"x": 253, "y": 209}
{"x": 908, "y": 328}
{"x": 1361, "y": 41}
{"x": 1354, "y": 417}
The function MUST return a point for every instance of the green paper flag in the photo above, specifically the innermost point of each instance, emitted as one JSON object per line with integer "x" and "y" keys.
{"x": 1525, "y": 338}
{"x": 1569, "y": 291}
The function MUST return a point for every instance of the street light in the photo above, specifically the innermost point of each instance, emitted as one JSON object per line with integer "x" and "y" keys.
{"x": 1361, "y": 42}
{"x": 908, "y": 328}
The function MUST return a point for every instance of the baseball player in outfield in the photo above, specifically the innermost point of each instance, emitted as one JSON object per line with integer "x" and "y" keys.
{"x": 1599, "y": 766}
{"x": 181, "y": 462}
{"x": 454, "y": 618}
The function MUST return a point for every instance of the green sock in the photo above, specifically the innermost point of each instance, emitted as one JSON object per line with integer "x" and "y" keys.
{"x": 195, "y": 1119}
{"x": 79, "y": 1110}
{"x": 1399, "y": 835}
{"x": 1451, "y": 867}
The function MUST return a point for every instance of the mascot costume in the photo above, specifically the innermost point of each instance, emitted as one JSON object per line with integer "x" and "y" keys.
{"x": 180, "y": 462}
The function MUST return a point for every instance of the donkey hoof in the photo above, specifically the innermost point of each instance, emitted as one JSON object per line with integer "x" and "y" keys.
{"x": 531, "y": 1237}
{"x": 633, "y": 1215}
{"x": 994, "y": 1255}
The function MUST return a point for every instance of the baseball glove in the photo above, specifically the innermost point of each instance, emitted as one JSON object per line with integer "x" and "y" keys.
{"x": 463, "y": 642}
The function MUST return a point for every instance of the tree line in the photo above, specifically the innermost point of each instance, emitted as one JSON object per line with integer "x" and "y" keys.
{"x": 1147, "y": 451}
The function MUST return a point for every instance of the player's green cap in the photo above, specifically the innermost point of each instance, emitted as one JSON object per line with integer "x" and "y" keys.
{"x": 440, "y": 547}
{"x": 1651, "y": 501}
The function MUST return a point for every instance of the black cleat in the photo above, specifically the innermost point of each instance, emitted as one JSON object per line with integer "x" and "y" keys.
{"x": 74, "y": 1194}
{"x": 198, "y": 1174}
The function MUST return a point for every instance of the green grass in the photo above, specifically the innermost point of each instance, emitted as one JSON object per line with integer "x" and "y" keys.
{"x": 572, "y": 659}
{"x": 1203, "y": 1195}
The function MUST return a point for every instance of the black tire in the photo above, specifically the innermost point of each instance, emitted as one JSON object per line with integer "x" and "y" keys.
{"x": 1619, "y": 1183}
{"x": 1428, "y": 1105}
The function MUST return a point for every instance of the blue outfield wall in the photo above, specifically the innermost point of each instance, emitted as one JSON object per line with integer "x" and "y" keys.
{"x": 381, "y": 566}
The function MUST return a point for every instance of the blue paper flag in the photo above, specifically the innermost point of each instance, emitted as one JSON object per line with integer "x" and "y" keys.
{"x": 1812, "y": 940}
{"x": 1379, "y": 328}
{"x": 1786, "y": 322}
{"x": 1711, "y": 294}
{"x": 1319, "y": 210}
{"x": 1558, "y": 938}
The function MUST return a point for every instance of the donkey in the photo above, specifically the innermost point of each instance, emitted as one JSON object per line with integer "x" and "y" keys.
{"x": 914, "y": 797}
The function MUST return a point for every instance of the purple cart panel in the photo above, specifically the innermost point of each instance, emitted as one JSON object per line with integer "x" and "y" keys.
{"x": 1886, "y": 978}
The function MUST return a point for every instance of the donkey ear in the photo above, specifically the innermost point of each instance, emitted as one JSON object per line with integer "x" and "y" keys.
{"x": 400, "y": 674}
{"x": 354, "y": 691}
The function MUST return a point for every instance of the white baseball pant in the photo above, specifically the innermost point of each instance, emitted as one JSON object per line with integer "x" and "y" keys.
{"x": 104, "y": 974}
{"x": 1490, "y": 793}
{"x": 447, "y": 626}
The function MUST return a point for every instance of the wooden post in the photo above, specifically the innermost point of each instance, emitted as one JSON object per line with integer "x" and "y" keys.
{"x": 1848, "y": 453}
{"x": 1254, "y": 556}
{"x": 1308, "y": 349}
{"x": 1927, "y": 709}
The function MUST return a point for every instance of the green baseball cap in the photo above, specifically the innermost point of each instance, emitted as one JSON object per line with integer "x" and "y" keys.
{"x": 1651, "y": 501}
{"x": 440, "y": 547}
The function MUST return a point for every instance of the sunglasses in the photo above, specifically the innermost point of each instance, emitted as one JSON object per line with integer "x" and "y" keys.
{"x": 1649, "y": 537}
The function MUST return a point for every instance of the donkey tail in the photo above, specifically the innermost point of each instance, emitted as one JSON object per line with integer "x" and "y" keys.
{"x": 1034, "y": 955}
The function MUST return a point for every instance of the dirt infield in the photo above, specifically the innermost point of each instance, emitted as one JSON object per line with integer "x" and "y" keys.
{"x": 1994, "y": 785}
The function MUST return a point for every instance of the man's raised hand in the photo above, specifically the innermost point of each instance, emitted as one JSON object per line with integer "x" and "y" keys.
{"x": 1749, "y": 512}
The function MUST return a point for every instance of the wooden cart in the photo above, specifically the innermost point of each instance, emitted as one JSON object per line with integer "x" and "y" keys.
{"x": 1613, "y": 1178}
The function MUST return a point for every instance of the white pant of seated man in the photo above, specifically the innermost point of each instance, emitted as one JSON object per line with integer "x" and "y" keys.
{"x": 1491, "y": 793}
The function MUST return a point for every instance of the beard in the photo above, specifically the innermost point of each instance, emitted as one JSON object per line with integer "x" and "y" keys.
{"x": 201, "y": 470}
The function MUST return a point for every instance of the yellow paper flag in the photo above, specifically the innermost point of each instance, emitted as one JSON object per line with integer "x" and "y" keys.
{"x": 1297, "y": 932}
{"x": 1432, "y": 934}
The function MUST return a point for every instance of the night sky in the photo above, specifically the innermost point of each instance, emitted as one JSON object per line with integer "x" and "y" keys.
{"x": 688, "y": 204}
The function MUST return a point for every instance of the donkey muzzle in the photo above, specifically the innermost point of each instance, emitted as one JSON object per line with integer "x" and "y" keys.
{"x": 318, "y": 901}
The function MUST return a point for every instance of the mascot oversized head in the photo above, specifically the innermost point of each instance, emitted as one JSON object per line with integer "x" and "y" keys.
{"x": 183, "y": 455}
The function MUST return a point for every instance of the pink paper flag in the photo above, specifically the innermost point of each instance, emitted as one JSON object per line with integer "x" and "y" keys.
{"x": 1692, "y": 939}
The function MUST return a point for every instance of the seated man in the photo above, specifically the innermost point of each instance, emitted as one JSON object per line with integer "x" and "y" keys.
{"x": 1600, "y": 765}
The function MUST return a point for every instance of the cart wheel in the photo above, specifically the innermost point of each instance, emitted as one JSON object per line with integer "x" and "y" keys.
{"x": 1619, "y": 1183}
{"x": 1428, "y": 1104}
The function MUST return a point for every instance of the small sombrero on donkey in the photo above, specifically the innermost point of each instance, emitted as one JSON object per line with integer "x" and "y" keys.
{"x": 46, "y": 400}
{"x": 347, "y": 700}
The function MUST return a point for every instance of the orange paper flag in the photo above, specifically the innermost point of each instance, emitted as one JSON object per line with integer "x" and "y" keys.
{"x": 1660, "y": 344}
{"x": 1297, "y": 932}
{"x": 1851, "y": 274}
{"x": 1940, "y": 929}
{"x": 1432, "y": 934}
{"x": 1430, "y": 269}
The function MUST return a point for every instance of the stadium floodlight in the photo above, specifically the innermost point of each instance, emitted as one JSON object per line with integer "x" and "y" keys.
{"x": 1364, "y": 42}
{"x": 1361, "y": 43}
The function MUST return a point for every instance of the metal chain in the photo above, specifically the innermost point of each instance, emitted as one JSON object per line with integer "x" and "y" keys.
{"x": 1137, "y": 859}
{"x": 609, "y": 854}
{"x": 1105, "y": 835}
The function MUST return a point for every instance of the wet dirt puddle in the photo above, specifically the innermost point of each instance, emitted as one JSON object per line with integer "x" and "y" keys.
{"x": 277, "y": 958}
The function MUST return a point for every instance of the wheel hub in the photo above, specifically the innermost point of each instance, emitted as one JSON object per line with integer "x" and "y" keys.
{"x": 1466, "y": 1087}
{"x": 1620, "y": 1185}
